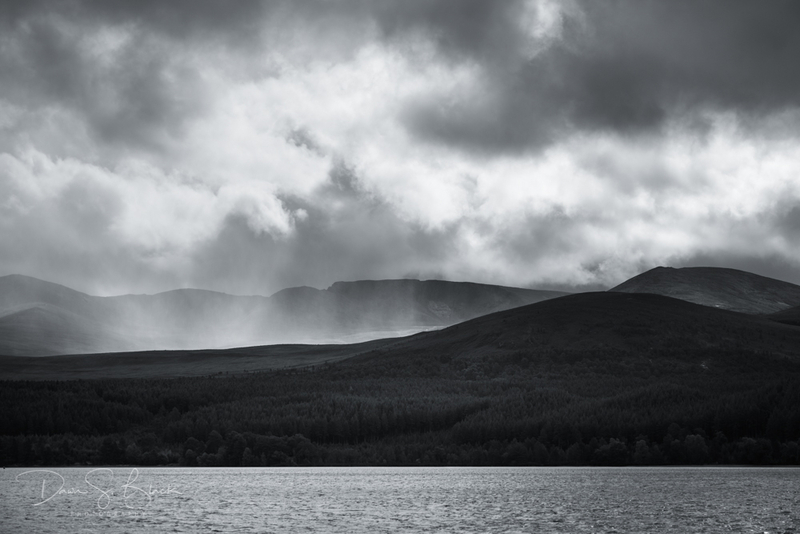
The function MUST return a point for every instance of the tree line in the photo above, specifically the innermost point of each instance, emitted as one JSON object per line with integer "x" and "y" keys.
{"x": 518, "y": 408}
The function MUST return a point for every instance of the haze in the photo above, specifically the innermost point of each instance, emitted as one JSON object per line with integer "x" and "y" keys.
{"x": 250, "y": 146}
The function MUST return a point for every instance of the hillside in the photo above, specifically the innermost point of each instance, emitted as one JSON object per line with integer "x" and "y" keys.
{"x": 644, "y": 330}
{"x": 728, "y": 289}
{"x": 48, "y": 329}
{"x": 790, "y": 316}
{"x": 179, "y": 363}
{"x": 39, "y": 318}
{"x": 588, "y": 379}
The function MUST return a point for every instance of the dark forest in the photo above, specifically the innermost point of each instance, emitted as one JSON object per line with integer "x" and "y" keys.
{"x": 554, "y": 407}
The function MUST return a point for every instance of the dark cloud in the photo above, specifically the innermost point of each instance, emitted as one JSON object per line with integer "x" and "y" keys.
{"x": 627, "y": 66}
{"x": 301, "y": 137}
{"x": 231, "y": 21}
{"x": 790, "y": 223}
{"x": 140, "y": 96}
{"x": 343, "y": 183}
{"x": 622, "y": 65}
{"x": 350, "y": 234}
{"x": 141, "y": 91}
{"x": 733, "y": 54}
{"x": 784, "y": 222}
{"x": 118, "y": 84}
{"x": 481, "y": 29}
{"x": 345, "y": 235}
{"x": 551, "y": 233}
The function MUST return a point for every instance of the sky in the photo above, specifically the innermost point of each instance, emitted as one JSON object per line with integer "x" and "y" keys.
{"x": 250, "y": 146}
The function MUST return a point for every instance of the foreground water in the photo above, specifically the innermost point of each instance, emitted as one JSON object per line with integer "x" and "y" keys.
{"x": 350, "y": 500}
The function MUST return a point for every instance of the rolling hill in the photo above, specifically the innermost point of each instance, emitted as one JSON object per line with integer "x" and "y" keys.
{"x": 604, "y": 378}
{"x": 615, "y": 326}
{"x": 47, "y": 329}
{"x": 727, "y": 289}
{"x": 645, "y": 330}
{"x": 39, "y": 318}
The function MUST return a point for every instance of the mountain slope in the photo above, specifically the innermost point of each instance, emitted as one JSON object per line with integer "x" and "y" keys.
{"x": 48, "y": 329}
{"x": 728, "y": 289}
{"x": 640, "y": 326}
{"x": 18, "y": 292}
{"x": 643, "y": 333}
{"x": 40, "y": 318}
{"x": 790, "y": 316}
{"x": 588, "y": 379}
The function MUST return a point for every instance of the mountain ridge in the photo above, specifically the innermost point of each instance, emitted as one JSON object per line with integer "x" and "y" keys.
{"x": 645, "y": 332}
{"x": 200, "y": 319}
{"x": 60, "y": 320}
{"x": 612, "y": 321}
{"x": 718, "y": 287}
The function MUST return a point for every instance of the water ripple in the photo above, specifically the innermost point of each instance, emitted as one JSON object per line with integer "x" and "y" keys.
{"x": 430, "y": 500}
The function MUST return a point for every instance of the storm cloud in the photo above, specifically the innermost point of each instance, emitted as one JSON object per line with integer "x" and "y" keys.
{"x": 627, "y": 67}
{"x": 250, "y": 146}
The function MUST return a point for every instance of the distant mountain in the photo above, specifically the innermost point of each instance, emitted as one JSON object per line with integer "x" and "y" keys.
{"x": 634, "y": 333}
{"x": 390, "y": 304}
{"x": 605, "y": 378}
{"x": 613, "y": 324}
{"x": 48, "y": 329}
{"x": 728, "y": 289}
{"x": 40, "y": 318}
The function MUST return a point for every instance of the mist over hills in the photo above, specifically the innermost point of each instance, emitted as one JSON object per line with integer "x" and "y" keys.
{"x": 604, "y": 378}
{"x": 645, "y": 331}
{"x": 728, "y": 289}
{"x": 41, "y": 318}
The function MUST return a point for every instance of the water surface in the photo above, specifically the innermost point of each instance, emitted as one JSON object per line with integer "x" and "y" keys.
{"x": 396, "y": 499}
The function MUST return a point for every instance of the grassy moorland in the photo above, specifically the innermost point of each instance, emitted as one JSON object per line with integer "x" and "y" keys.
{"x": 588, "y": 379}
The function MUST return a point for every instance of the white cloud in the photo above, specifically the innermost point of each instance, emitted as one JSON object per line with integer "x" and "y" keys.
{"x": 224, "y": 134}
